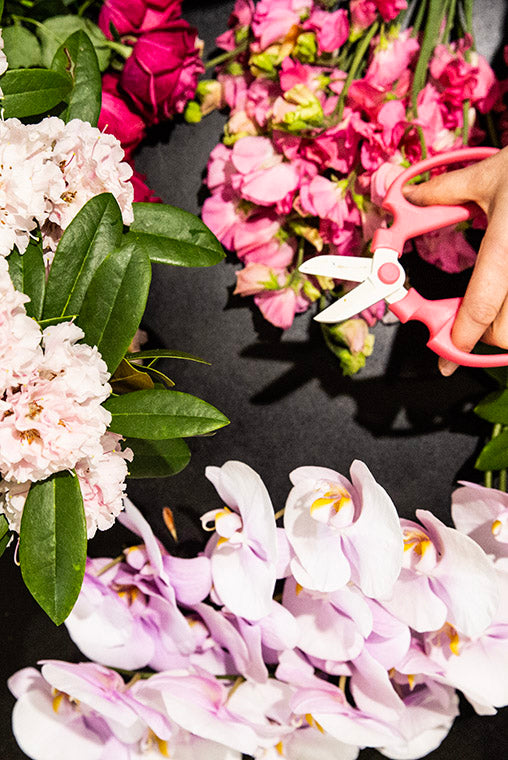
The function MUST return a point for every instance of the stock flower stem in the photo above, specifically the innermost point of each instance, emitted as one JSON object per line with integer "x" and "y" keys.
{"x": 430, "y": 35}
{"x": 228, "y": 56}
{"x": 361, "y": 50}
{"x": 124, "y": 50}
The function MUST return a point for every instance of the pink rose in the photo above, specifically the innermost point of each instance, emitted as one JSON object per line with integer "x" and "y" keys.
{"x": 117, "y": 118}
{"x": 162, "y": 72}
{"x": 135, "y": 16}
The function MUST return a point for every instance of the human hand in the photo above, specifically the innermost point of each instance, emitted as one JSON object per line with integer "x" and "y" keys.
{"x": 483, "y": 314}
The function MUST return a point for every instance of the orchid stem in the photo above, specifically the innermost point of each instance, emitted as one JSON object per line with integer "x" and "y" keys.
{"x": 111, "y": 564}
{"x": 502, "y": 479}
{"x": 279, "y": 513}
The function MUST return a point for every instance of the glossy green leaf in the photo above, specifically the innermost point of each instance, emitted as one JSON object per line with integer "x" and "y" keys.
{"x": 494, "y": 407}
{"x": 28, "y": 275}
{"x": 52, "y": 544}
{"x": 93, "y": 233}
{"x": 173, "y": 236}
{"x": 77, "y": 58}
{"x": 54, "y": 31}
{"x": 21, "y": 47}
{"x": 5, "y": 535}
{"x": 159, "y": 414}
{"x": 115, "y": 303}
{"x": 128, "y": 378}
{"x": 29, "y": 92}
{"x": 494, "y": 455}
{"x": 157, "y": 459}
{"x": 165, "y": 353}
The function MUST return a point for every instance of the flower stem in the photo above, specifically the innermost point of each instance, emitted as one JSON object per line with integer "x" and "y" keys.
{"x": 124, "y": 50}
{"x": 361, "y": 50}
{"x": 111, "y": 564}
{"x": 227, "y": 56}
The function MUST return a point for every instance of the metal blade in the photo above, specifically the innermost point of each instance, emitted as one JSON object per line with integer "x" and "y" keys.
{"x": 338, "y": 267}
{"x": 358, "y": 299}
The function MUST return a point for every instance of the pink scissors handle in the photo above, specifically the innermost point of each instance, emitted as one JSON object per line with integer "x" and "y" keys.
{"x": 410, "y": 220}
{"x": 439, "y": 317}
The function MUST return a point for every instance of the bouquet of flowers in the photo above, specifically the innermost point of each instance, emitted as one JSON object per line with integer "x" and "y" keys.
{"x": 75, "y": 270}
{"x": 345, "y": 628}
{"x": 327, "y": 106}
{"x": 149, "y": 58}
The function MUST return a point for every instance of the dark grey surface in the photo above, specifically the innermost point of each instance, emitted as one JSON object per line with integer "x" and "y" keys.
{"x": 287, "y": 402}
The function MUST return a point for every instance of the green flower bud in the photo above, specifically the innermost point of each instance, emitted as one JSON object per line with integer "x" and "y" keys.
{"x": 192, "y": 112}
{"x": 306, "y": 48}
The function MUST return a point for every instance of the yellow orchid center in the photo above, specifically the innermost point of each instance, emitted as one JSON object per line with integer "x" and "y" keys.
{"x": 411, "y": 681}
{"x": 416, "y": 540}
{"x": 337, "y": 498}
{"x": 453, "y": 638}
{"x": 496, "y": 527}
{"x": 280, "y": 749}
{"x": 161, "y": 744}
{"x": 129, "y": 593}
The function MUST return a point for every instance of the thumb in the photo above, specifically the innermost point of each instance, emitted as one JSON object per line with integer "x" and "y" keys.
{"x": 447, "y": 189}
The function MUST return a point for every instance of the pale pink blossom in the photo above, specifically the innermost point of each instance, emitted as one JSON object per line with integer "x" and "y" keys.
{"x": 253, "y": 279}
{"x": 391, "y": 58}
{"x": 55, "y": 417}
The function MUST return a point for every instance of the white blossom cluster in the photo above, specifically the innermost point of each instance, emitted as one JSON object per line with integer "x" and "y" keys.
{"x": 51, "y": 414}
{"x": 48, "y": 171}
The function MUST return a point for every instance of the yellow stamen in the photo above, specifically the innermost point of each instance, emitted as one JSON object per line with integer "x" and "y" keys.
{"x": 163, "y": 746}
{"x": 336, "y": 497}
{"x": 496, "y": 525}
{"x": 454, "y": 642}
{"x": 298, "y": 589}
{"x": 411, "y": 681}
{"x": 221, "y": 541}
{"x": 57, "y": 699}
{"x": 313, "y": 722}
{"x": 280, "y": 748}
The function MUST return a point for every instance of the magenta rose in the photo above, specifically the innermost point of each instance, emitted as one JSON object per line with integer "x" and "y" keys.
{"x": 117, "y": 118}
{"x": 137, "y": 16}
{"x": 162, "y": 73}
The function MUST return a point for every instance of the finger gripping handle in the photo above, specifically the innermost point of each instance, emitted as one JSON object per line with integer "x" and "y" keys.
{"x": 411, "y": 220}
{"x": 439, "y": 317}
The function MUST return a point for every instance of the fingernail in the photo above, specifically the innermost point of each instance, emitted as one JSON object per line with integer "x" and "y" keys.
{"x": 446, "y": 367}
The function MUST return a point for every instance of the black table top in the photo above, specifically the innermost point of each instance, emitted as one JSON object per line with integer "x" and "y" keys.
{"x": 287, "y": 401}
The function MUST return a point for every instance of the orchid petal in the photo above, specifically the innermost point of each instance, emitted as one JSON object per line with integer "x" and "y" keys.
{"x": 374, "y": 542}
{"x": 464, "y": 577}
{"x": 242, "y": 581}
{"x": 414, "y": 603}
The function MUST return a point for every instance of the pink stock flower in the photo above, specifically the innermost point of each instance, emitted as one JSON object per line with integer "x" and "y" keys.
{"x": 390, "y": 9}
{"x": 447, "y": 249}
{"x": 332, "y": 29}
{"x": 241, "y": 16}
{"x": 117, "y": 118}
{"x": 336, "y": 529}
{"x": 363, "y": 13}
{"x": 263, "y": 176}
{"x": 391, "y": 58}
{"x": 253, "y": 279}
{"x": 280, "y": 306}
{"x": 139, "y": 16}
{"x": 274, "y": 18}
{"x": 161, "y": 74}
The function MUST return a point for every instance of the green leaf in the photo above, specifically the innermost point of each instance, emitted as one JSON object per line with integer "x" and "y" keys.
{"x": 165, "y": 353}
{"x": 55, "y": 30}
{"x": 56, "y": 320}
{"x": 173, "y": 236}
{"x": 494, "y": 455}
{"x": 77, "y": 58}
{"x": 28, "y": 275}
{"x": 157, "y": 459}
{"x": 29, "y": 92}
{"x": 5, "y": 535}
{"x": 93, "y": 233}
{"x": 494, "y": 407}
{"x": 52, "y": 544}
{"x": 115, "y": 302}
{"x": 128, "y": 378}
{"x": 159, "y": 414}
{"x": 21, "y": 47}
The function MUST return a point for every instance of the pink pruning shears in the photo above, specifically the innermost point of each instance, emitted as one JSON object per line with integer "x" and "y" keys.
{"x": 383, "y": 277}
